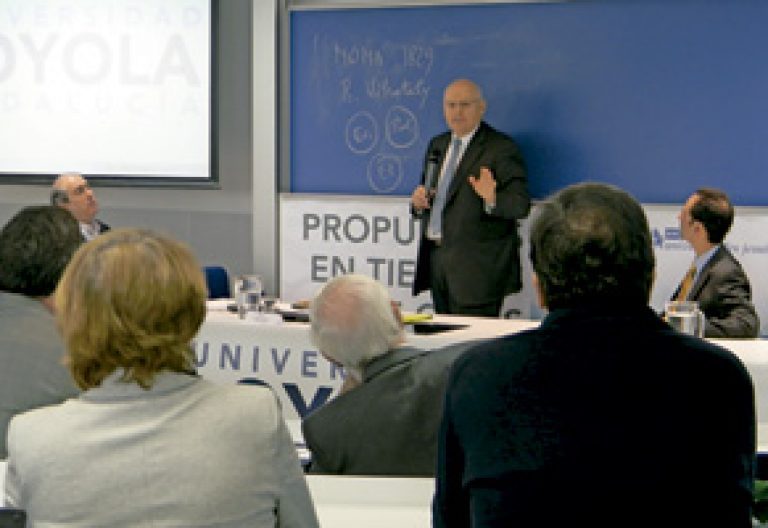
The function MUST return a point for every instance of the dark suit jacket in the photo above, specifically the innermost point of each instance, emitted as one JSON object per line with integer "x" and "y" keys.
{"x": 598, "y": 418}
{"x": 724, "y": 295}
{"x": 388, "y": 425}
{"x": 483, "y": 248}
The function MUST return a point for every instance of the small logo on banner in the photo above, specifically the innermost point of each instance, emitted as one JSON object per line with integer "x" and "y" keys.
{"x": 672, "y": 233}
{"x": 668, "y": 238}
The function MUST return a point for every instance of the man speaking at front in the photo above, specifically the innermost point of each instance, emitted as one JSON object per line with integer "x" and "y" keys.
{"x": 473, "y": 192}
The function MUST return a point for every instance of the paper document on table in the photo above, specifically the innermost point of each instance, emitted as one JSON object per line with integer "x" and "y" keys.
{"x": 218, "y": 305}
{"x": 410, "y": 318}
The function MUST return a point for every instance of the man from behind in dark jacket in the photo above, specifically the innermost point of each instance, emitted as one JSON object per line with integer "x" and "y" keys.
{"x": 603, "y": 416}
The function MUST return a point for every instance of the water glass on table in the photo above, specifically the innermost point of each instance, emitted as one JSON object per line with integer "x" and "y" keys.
{"x": 685, "y": 317}
{"x": 248, "y": 294}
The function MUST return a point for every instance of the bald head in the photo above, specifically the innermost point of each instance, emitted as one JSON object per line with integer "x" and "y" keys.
{"x": 72, "y": 192}
{"x": 463, "y": 106}
{"x": 353, "y": 322}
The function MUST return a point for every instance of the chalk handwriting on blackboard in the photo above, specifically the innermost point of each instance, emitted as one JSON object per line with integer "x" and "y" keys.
{"x": 380, "y": 86}
{"x": 384, "y": 72}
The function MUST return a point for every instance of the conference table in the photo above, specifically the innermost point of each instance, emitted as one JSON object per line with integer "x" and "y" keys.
{"x": 281, "y": 354}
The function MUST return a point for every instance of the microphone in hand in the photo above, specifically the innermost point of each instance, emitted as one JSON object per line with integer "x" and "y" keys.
{"x": 431, "y": 173}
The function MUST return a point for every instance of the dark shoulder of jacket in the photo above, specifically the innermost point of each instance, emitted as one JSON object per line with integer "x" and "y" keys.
{"x": 494, "y": 134}
{"x": 480, "y": 349}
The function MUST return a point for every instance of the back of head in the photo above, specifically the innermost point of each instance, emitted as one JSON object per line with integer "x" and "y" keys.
{"x": 353, "y": 321}
{"x": 35, "y": 247}
{"x": 715, "y": 211}
{"x": 130, "y": 299}
{"x": 590, "y": 243}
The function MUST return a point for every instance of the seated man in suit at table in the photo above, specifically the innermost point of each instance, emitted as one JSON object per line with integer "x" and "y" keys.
{"x": 604, "y": 415}
{"x": 35, "y": 247}
{"x": 386, "y": 419}
{"x": 715, "y": 280}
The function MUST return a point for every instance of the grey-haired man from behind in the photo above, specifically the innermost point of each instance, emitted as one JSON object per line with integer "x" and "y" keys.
{"x": 385, "y": 420}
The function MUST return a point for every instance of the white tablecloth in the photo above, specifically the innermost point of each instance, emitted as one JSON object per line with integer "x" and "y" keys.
{"x": 230, "y": 350}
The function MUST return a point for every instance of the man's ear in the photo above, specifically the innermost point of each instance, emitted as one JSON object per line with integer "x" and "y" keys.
{"x": 397, "y": 313}
{"x": 540, "y": 296}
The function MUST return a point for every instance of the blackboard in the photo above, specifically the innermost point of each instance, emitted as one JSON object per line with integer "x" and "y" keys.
{"x": 658, "y": 97}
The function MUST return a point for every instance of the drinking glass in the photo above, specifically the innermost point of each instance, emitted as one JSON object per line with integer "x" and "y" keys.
{"x": 248, "y": 294}
{"x": 685, "y": 317}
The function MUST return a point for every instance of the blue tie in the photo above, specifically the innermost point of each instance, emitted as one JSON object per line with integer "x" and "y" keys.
{"x": 435, "y": 230}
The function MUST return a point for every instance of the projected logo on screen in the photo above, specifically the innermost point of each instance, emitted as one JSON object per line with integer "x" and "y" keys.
{"x": 115, "y": 87}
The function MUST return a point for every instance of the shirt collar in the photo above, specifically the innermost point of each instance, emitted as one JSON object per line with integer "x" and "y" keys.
{"x": 702, "y": 259}
{"x": 389, "y": 359}
{"x": 89, "y": 231}
{"x": 465, "y": 139}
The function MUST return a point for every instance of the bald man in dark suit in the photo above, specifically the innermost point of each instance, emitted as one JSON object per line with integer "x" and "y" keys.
{"x": 468, "y": 255}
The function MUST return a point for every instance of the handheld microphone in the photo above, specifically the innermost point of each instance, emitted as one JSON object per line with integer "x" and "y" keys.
{"x": 430, "y": 176}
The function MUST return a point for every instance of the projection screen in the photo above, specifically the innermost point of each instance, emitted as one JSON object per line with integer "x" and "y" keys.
{"x": 119, "y": 90}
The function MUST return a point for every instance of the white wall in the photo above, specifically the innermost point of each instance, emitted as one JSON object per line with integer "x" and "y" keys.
{"x": 264, "y": 142}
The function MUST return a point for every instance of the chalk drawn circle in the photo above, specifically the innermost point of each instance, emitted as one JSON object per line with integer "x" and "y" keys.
{"x": 362, "y": 132}
{"x": 385, "y": 172}
{"x": 401, "y": 127}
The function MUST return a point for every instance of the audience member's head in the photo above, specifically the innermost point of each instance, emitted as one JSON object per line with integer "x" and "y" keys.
{"x": 72, "y": 192}
{"x": 354, "y": 321}
{"x": 130, "y": 299}
{"x": 711, "y": 208}
{"x": 590, "y": 243}
{"x": 35, "y": 247}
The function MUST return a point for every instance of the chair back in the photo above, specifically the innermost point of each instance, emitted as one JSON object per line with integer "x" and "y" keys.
{"x": 12, "y": 518}
{"x": 217, "y": 279}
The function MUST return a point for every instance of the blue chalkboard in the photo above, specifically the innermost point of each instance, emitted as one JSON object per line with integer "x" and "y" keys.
{"x": 658, "y": 97}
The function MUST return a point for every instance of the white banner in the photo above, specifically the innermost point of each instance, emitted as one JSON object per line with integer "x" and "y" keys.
{"x": 228, "y": 350}
{"x": 322, "y": 237}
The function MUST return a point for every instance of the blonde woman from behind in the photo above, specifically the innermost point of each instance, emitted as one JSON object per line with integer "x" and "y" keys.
{"x": 148, "y": 443}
